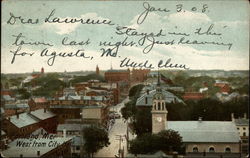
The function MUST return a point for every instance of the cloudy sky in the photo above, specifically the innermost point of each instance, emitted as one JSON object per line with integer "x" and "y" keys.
{"x": 228, "y": 18}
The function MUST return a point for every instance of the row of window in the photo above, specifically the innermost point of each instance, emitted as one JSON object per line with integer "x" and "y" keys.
{"x": 211, "y": 149}
{"x": 243, "y": 128}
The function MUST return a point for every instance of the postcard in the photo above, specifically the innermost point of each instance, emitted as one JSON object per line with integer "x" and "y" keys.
{"x": 114, "y": 78}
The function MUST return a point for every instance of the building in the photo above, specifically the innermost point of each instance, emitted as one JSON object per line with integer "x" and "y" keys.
{"x": 242, "y": 125}
{"x": 96, "y": 114}
{"x": 223, "y": 85}
{"x": 7, "y": 99}
{"x": 47, "y": 119}
{"x": 199, "y": 137}
{"x": 117, "y": 75}
{"x": 139, "y": 75}
{"x": 13, "y": 109}
{"x": 20, "y": 125}
{"x": 147, "y": 95}
{"x": 76, "y": 132}
{"x": 41, "y": 147}
{"x": 193, "y": 96}
{"x": 3, "y": 140}
{"x": 97, "y": 71}
{"x": 38, "y": 103}
{"x": 70, "y": 129}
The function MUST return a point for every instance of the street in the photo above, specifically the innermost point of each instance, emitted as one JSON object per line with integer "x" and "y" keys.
{"x": 116, "y": 136}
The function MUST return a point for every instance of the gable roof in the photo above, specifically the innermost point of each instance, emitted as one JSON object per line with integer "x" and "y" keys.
{"x": 206, "y": 131}
{"x": 41, "y": 114}
{"x": 169, "y": 97}
{"x": 23, "y": 119}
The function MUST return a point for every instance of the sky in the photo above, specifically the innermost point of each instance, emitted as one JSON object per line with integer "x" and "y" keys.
{"x": 230, "y": 19}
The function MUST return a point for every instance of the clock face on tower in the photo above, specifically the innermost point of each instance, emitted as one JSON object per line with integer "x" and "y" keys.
{"x": 159, "y": 119}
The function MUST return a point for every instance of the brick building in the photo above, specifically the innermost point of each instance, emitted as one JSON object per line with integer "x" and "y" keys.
{"x": 139, "y": 75}
{"x": 38, "y": 103}
{"x": 117, "y": 75}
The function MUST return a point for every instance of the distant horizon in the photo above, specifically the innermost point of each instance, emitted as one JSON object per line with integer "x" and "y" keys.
{"x": 122, "y": 69}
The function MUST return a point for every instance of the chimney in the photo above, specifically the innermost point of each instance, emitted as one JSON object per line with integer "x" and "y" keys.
{"x": 38, "y": 153}
{"x": 17, "y": 115}
{"x": 147, "y": 92}
{"x": 200, "y": 119}
{"x": 232, "y": 117}
{"x": 146, "y": 100}
{"x": 245, "y": 115}
{"x": 45, "y": 109}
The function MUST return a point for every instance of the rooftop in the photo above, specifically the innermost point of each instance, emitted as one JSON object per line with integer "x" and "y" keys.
{"x": 241, "y": 122}
{"x": 198, "y": 131}
{"x": 31, "y": 151}
{"x": 40, "y": 100}
{"x": 72, "y": 127}
{"x": 42, "y": 114}
{"x": 22, "y": 120}
{"x": 16, "y": 106}
{"x": 169, "y": 97}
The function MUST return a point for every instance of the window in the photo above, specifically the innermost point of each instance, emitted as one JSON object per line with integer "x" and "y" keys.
{"x": 227, "y": 150}
{"x": 244, "y": 128}
{"x": 238, "y": 128}
{"x": 211, "y": 149}
{"x": 244, "y": 133}
{"x": 159, "y": 106}
{"x": 77, "y": 147}
{"x": 195, "y": 149}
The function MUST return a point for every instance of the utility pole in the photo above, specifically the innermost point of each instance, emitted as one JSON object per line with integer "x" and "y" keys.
{"x": 120, "y": 151}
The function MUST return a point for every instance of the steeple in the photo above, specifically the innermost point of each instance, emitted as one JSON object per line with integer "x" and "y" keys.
{"x": 158, "y": 85}
{"x": 159, "y": 109}
{"x": 158, "y": 81}
{"x": 97, "y": 71}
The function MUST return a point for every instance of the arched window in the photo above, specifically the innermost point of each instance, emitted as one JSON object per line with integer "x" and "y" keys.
{"x": 227, "y": 150}
{"x": 159, "y": 106}
{"x": 211, "y": 149}
{"x": 244, "y": 133}
{"x": 195, "y": 149}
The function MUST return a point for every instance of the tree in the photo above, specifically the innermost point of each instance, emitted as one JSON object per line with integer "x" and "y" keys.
{"x": 143, "y": 121}
{"x": 93, "y": 76}
{"x": 135, "y": 90}
{"x": 23, "y": 93}
{"x": 170, "y": 140}
{"x": 96, "y": 138}
{"x": 166, "y": 140}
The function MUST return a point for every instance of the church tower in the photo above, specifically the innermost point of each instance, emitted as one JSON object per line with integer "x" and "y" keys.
{"x": 97, "y": 71}
{"x": 159, "y": 110}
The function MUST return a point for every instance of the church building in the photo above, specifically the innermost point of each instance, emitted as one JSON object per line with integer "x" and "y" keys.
{"x": 199, "y": 137}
